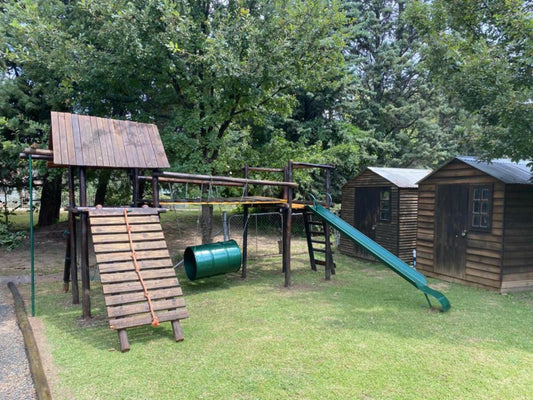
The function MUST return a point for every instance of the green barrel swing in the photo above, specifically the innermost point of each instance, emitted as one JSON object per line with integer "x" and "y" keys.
{"x": 212, "y": 259}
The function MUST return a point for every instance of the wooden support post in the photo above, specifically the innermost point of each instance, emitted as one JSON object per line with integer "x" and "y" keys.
{"x": 72, "y": 237}
{"x": 328, "y": 195}
{"x": 66, "y": 266}
{"x": 287, "y": 227}
{"x": 329, "y": 258}
{"x": 245, "y": 228}
{"x": 155, "y": 189}
{"x": 330, "y": 268}
{"x": 85, "y": 284}
{"x": 309, "y": 240}
{"x": 178, "y": 332}
{"x": 284, "y": 225}
{"x": 123, "y": 340}
{"x": 135, "y": 180}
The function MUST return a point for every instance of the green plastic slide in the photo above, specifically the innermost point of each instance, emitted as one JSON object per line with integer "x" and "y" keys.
{"x": 411, "y": 275}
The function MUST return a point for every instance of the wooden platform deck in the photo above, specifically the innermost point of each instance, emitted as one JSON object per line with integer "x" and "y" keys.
{"x": 124, "y": 288}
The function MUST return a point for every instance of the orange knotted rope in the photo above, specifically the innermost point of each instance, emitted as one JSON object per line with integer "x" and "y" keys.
{"x": 155, "y": 322}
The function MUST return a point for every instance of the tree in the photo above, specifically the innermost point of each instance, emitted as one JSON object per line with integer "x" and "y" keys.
{"x": 27, "y": 94}
{"x": 480, "y": 52}
{"x": 316, "y": 132}
{"x": 240, "y": 65}
{"x": 202, "y": 70}
{"x": 395, "y": 103}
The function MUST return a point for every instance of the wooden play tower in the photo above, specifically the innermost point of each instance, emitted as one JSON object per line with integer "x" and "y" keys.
{"x": 139, "y": 284}
{"x": 138, "y": 281}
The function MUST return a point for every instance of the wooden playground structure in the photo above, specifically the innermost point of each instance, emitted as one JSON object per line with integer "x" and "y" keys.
{"x": 139, "y": 284}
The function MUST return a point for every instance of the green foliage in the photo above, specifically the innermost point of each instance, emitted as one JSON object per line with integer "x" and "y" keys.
{"x": 388, "y": 82}
{"x": 203, "y": 71}
{"x": 239, "y": 66}
{"x": 480, "y": 53}
{"x": 10, "y": 239}
{"x": 395, "y": 104}
{"x": 11, "y": 175}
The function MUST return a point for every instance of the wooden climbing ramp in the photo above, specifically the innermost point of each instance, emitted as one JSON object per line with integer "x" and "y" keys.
{"x": 139, "y": 284}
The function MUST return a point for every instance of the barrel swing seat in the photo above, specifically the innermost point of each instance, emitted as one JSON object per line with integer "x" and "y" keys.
{"x": 212, "y": 259}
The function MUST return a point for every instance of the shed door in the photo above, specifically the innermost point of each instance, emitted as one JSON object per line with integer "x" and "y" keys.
{"x": 367, "y": 210}
{"x": 450, "y": 231}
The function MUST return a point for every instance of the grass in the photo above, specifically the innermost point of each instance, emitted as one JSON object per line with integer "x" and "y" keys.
{"x": 20, "y": 220}
{"x": 366, "y": 334}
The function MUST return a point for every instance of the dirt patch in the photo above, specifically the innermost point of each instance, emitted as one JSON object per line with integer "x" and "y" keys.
{"x": 49, "y": 253}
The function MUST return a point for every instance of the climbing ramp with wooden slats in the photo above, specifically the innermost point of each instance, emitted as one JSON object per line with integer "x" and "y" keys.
{"x": 138, "y": 281}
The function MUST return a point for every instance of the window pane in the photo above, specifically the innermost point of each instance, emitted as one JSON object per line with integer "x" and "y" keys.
{"x": 480, "y": 211}
{"x": 384, "y": 205}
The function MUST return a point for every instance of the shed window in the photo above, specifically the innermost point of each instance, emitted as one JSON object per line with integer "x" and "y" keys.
{"x": 384, "y": 205}
{"x": 480, "y": 207}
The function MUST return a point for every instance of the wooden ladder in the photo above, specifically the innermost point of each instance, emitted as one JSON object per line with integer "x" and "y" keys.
{"x": 124, "y": 289}
{"x": 318, "y": 234}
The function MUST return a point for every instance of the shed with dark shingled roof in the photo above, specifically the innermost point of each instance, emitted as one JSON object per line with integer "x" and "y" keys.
{"x": 475, "y": 223}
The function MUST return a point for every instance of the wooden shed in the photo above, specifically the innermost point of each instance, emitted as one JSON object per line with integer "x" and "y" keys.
{"x": 475, "y": 224}
{"x": 382, "y": 203}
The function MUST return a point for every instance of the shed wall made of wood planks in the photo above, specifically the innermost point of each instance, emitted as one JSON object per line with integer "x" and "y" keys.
{"x": 407, "y": 222}
{"x": 398, "y": 235}
{"x": 483, "y": 249}
{"x": 517, "y": 271}
{"x": 82, "y": 140}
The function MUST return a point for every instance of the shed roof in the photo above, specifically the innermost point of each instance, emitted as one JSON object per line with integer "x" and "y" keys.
{"x": 82, "y": 140}
{"x": 503, "y": 169}
{"x": 402, "y": 177}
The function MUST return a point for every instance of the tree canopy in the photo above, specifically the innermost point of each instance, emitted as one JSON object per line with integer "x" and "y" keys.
{"x": 386, "y": 82}
{"x": 480, "y": 53}
{"x": 196, "y": 68}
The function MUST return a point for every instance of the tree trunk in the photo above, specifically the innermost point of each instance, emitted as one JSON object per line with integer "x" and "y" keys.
{"x": 50, "y": 200}
{"x": 206, "y": 222}
{"x": 6, "y": 209}
{"x": 101, "y": 189}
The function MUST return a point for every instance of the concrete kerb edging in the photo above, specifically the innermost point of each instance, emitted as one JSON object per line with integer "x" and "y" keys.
{"x": 34, "y": 359}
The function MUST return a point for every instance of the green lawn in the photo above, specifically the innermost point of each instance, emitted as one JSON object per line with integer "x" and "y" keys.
{"x": 367, "y": 334}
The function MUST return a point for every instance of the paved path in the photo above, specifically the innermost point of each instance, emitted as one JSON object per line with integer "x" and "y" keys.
{"x": 15, "y": 379}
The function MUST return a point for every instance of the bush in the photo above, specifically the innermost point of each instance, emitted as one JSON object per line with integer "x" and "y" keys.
{"x": 9, "y": 239}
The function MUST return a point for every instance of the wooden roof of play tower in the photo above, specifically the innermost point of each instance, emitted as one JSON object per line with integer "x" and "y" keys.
{"x": 82, "y": 140}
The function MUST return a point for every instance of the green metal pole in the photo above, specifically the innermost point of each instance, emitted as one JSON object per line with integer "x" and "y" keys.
{"x": 31, "y": 240}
